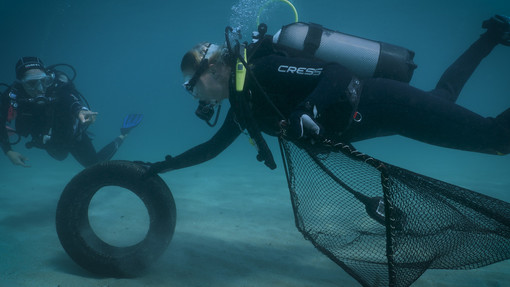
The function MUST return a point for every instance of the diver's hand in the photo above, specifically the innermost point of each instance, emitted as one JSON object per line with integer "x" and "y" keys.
{"x": 87, "y": 117}
{"x": 300, "y": 125}
{"x": 17, "y": 158}
{"x": 162, "y": 166}
{"x": 147, "y": 166}
{"x": 153, "y": 168}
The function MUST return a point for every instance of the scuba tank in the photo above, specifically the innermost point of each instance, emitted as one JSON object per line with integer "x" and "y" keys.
{"x": 365, "y": 58}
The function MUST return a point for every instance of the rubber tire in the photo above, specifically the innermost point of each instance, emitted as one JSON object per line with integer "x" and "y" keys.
{"x": 86, "y": 248}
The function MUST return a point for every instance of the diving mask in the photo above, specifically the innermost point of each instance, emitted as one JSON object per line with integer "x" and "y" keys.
{"x": 191, "y": 81}
{"x": 36, "y": 84}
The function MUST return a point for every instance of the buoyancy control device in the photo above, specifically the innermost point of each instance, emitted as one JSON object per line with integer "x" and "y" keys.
{"x": 364, "y": 57}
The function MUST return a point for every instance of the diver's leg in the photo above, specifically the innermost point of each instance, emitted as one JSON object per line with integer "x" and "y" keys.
{"x": 392, "y": 107}
{"x": 453, "y": 79}
{"x": 107, "y": 152}
{"x": 57, "y": 152}
{"x": 84, "y": 152}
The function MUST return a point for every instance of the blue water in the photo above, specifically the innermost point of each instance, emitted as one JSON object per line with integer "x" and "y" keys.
{"x": 127, "y": 55}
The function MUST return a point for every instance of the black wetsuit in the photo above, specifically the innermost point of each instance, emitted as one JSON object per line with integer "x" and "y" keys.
{"x": 385, "y": 107}
{"x": 53, "y": 126}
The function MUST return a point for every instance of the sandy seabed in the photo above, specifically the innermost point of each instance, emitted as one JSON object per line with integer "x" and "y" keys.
{"x": 234, "y": 230}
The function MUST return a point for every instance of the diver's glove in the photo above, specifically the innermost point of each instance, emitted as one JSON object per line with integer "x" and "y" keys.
{"x": 153, "y": 168}
{"x": 162, "y": 166}
{"x": 499, "y": 27}
{"x": 301, "y": 123}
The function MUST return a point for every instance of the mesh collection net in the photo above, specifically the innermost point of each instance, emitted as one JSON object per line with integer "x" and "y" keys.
{"x": 385, "y": 225}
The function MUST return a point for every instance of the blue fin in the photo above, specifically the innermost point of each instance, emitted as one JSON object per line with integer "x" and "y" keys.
{"x": 130, "y": 121}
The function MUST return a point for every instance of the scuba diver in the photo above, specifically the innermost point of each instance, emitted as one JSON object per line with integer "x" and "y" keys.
{"x": 306, "y": 98}
{"x": 43, "y": 103}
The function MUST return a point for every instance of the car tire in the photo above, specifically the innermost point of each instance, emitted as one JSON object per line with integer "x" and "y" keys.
{"x": 88, "y": 250}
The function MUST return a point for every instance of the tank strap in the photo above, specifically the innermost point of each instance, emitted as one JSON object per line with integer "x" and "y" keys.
{"x": 313, "y": 38}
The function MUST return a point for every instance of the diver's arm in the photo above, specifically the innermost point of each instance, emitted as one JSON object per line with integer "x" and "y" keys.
{"x": 309, "y": 117}
{"x": 225, "y": 136}
{"x": 4, "y": 136}
{"x": 70, "y": 100}
{"x": 15, "y": 157}
{"x": 4, "y": 139}
{"x": 302, "y": 79}
{"x": 76, "y": 107}
{"x": 310, "y": 86}
{"x": 324, "y": 83}
{"x": 331, "y": 88}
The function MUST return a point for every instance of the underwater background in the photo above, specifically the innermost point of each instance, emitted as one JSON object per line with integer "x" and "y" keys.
{"x": 235, "y": 225}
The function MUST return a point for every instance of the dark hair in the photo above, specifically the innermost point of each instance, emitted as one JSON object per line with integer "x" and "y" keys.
{"x": 28, "y": 63}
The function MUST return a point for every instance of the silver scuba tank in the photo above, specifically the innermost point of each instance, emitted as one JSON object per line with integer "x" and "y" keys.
{"x": 365, "y": 58}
